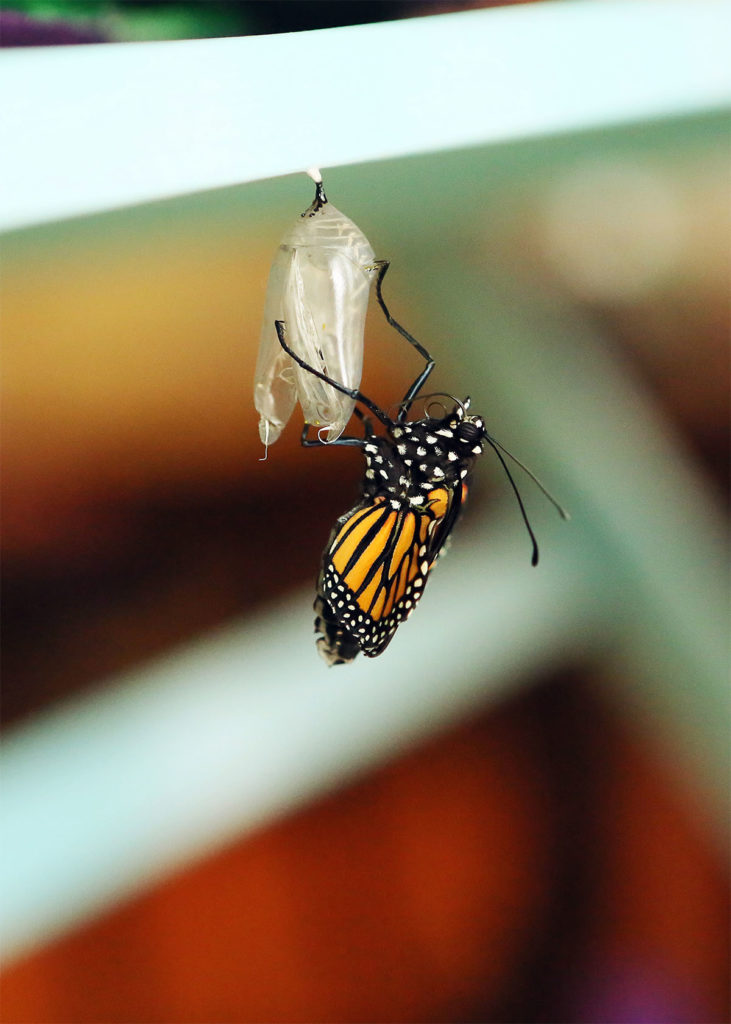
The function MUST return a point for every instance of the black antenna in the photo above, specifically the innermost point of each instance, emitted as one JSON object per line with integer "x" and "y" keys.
{"x": 494, "y": 446}
{"x": 434, "y": 394}
{"x": 559, "y": 508}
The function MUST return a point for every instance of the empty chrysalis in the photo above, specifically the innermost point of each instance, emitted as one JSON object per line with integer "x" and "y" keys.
{"x": 319, "y": 286}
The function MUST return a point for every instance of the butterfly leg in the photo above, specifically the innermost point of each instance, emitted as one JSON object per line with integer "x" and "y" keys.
{"x": 311, "y": 442}
{"x": 353, "y": 393}
{"x": 418, "y": 384}
{"x": 315, "y": 442}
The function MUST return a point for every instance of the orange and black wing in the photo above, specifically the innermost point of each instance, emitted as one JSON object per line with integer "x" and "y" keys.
{"x": 374, "y": 571}
{"x": 450, "y": 502}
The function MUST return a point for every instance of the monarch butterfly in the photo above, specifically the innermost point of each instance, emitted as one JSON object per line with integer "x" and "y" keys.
{"x": 380, "y": 553}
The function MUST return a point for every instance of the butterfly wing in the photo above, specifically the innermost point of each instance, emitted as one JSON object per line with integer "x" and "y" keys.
{"x": 374, "y": 571}
{"x": 449, "y": 502}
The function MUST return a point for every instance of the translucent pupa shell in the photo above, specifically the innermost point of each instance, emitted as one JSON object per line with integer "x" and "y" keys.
{"x": 319, "y": 286}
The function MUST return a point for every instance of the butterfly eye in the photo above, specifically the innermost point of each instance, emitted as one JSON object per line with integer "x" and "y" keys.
{"x": 319, "y": 287}
{"x": 468, "y": 431}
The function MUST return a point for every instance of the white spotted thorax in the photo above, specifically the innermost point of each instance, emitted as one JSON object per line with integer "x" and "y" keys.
{"x": 319, "y": 286}
{"x": 416, "y": 457}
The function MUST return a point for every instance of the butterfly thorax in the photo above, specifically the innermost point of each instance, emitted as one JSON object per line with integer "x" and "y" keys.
{"x": 413, "y": 459}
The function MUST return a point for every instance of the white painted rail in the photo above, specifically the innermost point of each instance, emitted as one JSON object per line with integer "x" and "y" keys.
{"x": 93, "y": 128}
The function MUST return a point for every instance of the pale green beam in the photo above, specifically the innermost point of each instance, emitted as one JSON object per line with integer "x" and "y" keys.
{"x": 94, "y": 128}
{"x": 115, "y": 790}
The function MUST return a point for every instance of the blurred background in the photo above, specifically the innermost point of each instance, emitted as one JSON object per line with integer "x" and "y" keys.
{"x": 554, "y": 855}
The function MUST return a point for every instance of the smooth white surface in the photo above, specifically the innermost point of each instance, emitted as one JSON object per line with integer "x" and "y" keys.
{"x": 93, "y": 128}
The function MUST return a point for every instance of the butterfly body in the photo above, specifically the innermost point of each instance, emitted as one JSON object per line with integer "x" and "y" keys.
{"x": 380, "y": 553}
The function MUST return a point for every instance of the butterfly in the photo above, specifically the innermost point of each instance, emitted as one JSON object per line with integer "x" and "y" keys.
{"x": 381, "y": 552}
